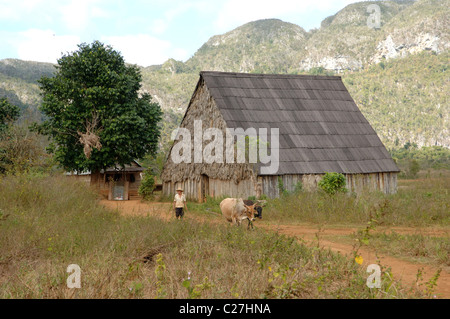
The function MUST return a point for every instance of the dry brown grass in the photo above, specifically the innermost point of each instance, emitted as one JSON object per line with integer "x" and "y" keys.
{"x": 53, "y": 222}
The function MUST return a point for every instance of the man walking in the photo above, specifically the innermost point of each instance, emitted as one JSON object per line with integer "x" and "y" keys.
{"x": 179, "y": 203}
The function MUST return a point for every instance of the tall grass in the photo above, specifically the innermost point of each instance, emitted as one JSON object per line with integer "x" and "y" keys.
{"x": 417, "y": 203}
{"x": 435, "y": 250}
{"x": 47, "y": 223}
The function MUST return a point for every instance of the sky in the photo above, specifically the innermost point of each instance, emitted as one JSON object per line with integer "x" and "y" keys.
{"x": 145, "y": 32}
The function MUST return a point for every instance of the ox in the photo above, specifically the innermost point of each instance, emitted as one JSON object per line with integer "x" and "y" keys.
{"x": 234, "y": 210}
{"x": 258, "y": 207}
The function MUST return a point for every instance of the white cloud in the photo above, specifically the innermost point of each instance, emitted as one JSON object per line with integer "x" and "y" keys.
{"x": 73, "y": 16}
{"x": 144, "y": 50}
{"x": 46, "y": 46}
{"x": 40, "y": 45}
{"x": 14, "y": 10}
{"x": 176, "y": 9}
{"x": 78, "y": 14}
{"x": 6, "y": 12}
{"x": 179, "y": 54}
{"x": 159, "y": 26}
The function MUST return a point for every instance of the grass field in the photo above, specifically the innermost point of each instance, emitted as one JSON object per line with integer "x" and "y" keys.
{"x": 47, "y": 223}
{"x": 418, "y": 203}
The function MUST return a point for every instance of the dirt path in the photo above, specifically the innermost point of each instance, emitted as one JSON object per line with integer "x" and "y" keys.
{"x": 403, "y": 270}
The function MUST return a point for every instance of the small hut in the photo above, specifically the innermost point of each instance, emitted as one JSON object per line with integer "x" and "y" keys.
{"x": 320, "y": 127}
{"x": 114, "y": 183}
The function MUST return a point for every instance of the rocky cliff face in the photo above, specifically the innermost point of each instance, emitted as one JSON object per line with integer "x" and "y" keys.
{"x": 389, "y": 49}
{"x": 348, "y": 40}
{"x": 422, "y": 26}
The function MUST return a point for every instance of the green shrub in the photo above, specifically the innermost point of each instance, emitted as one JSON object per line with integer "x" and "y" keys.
{"x": 283, "y": 191}
{"x": 332, "y": 183}
{"x": 147, "y": 185}
{"x": 414, "y": 168}
{"x": 298, "y": 187}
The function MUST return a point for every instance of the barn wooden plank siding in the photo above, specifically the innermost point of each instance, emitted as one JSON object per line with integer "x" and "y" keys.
{"x": 358, "y": 183}
{"x": 320, "y": 130}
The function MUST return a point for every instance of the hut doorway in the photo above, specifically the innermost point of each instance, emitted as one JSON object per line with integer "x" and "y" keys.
{"x": 204, "y": 188}
{"x": 119, "y": 191}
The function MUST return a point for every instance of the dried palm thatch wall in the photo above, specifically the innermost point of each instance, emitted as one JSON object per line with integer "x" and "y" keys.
{"x": 194, "y": 188}
{"x": 201, "y": 179}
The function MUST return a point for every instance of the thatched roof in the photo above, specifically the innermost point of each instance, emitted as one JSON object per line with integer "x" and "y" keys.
{"x": 321, "y": 128}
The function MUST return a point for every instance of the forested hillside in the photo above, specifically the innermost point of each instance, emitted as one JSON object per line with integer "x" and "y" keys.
{"x": 397, "y": 74}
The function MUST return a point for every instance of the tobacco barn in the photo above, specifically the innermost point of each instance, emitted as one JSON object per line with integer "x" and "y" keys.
{"x": 321, "y": 130}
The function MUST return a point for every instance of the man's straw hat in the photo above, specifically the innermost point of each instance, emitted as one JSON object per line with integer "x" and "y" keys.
{"x": 179, "y": 189}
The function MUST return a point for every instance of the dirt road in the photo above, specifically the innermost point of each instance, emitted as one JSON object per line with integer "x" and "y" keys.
{"x": 406, "y": 271}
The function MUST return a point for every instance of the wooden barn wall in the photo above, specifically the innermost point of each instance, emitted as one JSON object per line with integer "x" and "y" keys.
{"x": 384, "y": 182}
{"x": 357, "y": 183}
{"x": 216, "y": 188}
{"x": 270, "y": 183}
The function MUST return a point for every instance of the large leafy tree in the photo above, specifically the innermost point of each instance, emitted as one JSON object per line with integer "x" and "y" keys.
{"x": 94, "y": 112}
{"x": 8, "y": 114}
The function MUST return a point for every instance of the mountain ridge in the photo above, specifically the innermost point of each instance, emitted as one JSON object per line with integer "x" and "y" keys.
{"x": 403, "y": 64}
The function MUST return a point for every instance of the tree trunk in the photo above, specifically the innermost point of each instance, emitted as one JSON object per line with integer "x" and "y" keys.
{"x": 95, "y": 179}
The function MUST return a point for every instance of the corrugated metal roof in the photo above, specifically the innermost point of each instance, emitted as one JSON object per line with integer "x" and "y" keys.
{"x": 321, "y": 127}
